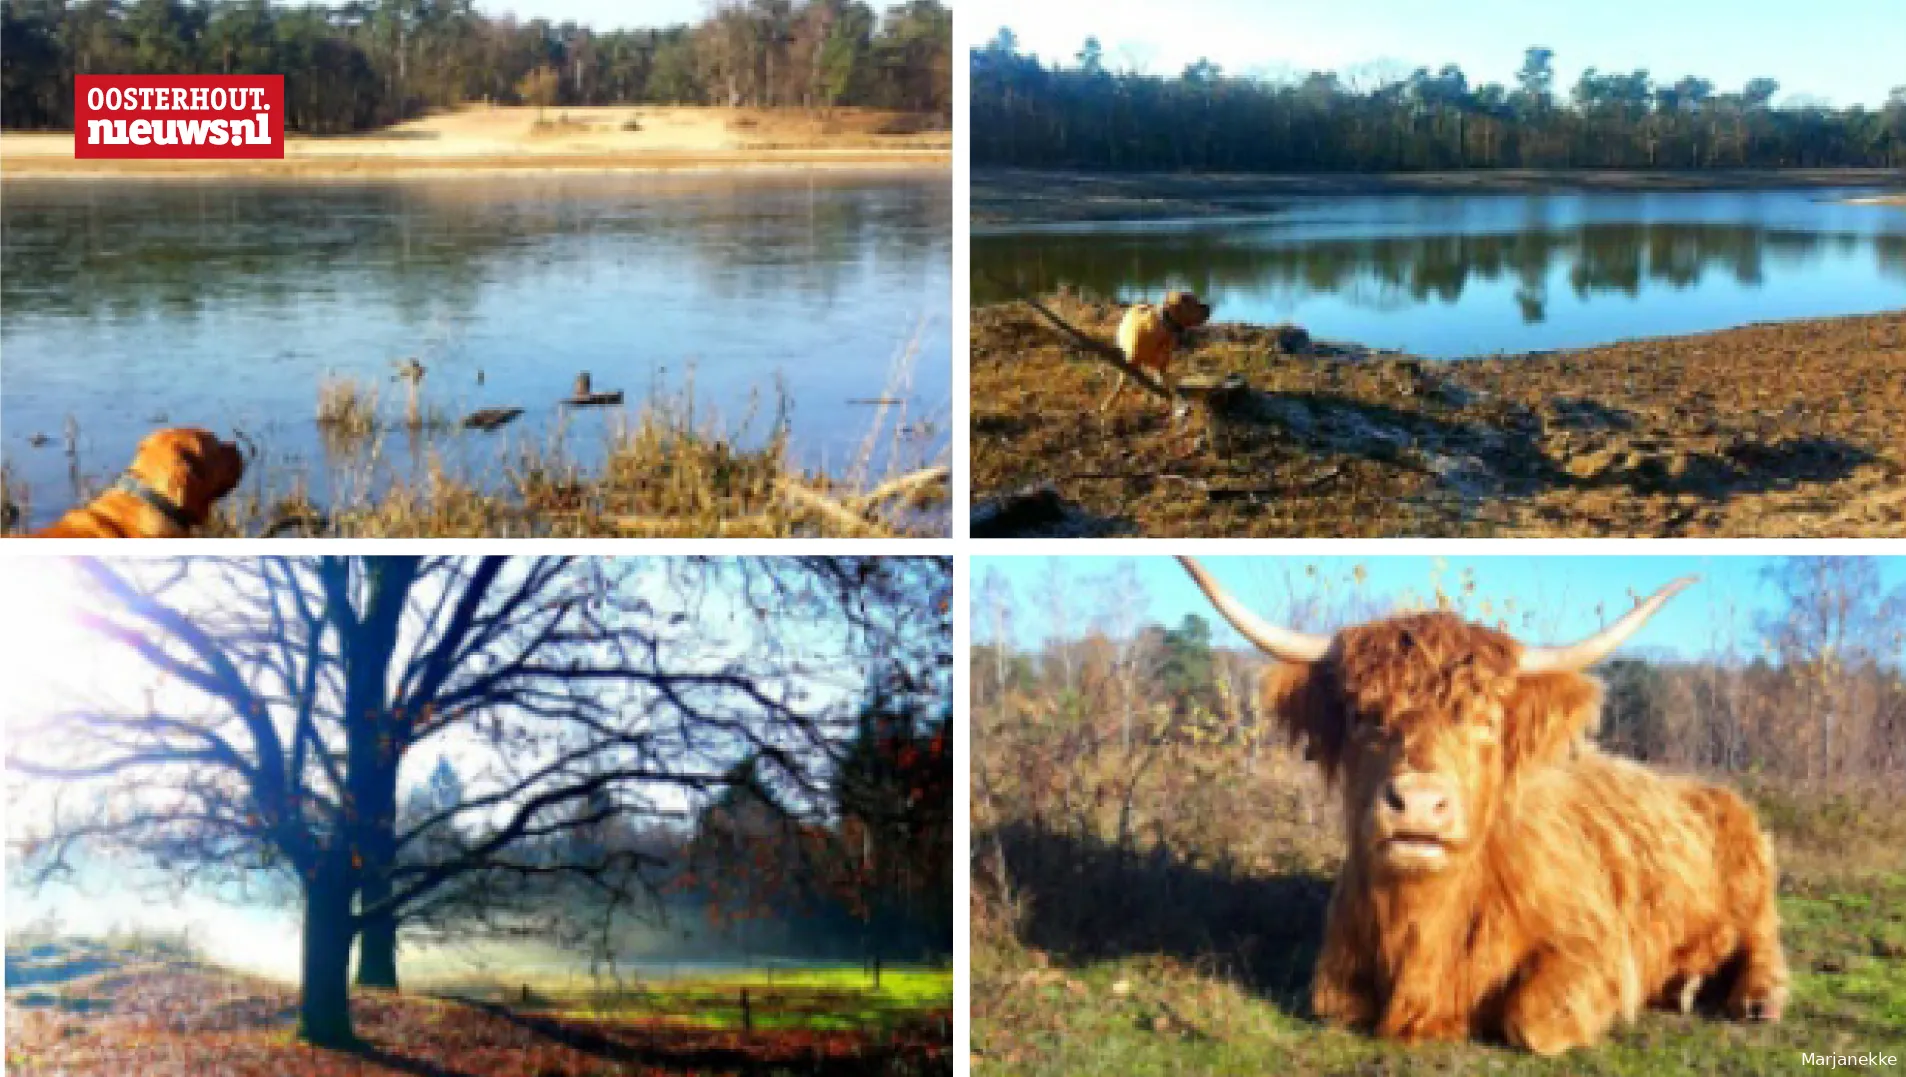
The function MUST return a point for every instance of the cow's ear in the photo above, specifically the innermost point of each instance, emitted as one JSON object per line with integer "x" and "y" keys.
{"x": 1310, "y": 710}
{"x": 1547, "y": 716}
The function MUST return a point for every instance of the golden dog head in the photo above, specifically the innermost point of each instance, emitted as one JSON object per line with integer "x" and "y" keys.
{"x": 1185, "y": 310}
{"x": 190, "y": 466}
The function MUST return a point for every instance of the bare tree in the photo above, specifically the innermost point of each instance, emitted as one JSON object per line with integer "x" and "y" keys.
{"x": 1125, "y": 604}
{"x": 578, "y": 690}
{"x": 1838, "y": 617}
{"x": 1055, "y": 591}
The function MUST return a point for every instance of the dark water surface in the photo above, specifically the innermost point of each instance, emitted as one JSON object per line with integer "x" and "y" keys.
{"x": 223, "y": 303}
{"x": 1463, "y": 275}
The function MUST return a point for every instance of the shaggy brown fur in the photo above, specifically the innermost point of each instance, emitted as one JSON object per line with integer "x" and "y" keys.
{"x": 1504, "y": 878}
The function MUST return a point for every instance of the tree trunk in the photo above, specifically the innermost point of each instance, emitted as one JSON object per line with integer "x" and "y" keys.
{"x": 374, "y": 746}
{"x": 374, "y": 787}
{"x": 324, "y": 1006}
{"x": 377, "y": 944}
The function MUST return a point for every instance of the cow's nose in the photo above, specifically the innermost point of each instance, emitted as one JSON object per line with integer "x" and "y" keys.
{"x": 1418, "y": 800}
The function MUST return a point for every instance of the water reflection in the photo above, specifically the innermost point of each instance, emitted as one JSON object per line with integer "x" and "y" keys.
{"x": 224, "y": 303}
{"x": 84, "y": 250}
{"x": 1370, "y": 275}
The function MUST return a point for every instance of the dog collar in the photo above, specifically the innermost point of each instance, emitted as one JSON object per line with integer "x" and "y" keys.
{"x": 160, "y": 503}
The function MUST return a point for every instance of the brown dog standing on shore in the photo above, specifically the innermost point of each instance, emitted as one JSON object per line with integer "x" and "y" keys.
{"x": 1151, "y": 333}
{"x": 167, "y": 492}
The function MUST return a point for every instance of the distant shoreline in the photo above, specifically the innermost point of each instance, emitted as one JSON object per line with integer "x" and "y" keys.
{"x": 391, "y": 166}
{"x": 480, "y": 140}
{"x": 1014, "y": 197}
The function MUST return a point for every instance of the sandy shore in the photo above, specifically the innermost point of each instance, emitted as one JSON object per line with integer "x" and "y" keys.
{"x": 1006, "y": 197}
{"x": 478, "y": 140}
{"x": 1781, "y": 430}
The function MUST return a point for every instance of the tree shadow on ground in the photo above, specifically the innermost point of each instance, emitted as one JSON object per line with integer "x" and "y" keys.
{"x": 687, "y": 1057}
{"x": 377, "y": 1056}
{"x": 1083, "y": 900}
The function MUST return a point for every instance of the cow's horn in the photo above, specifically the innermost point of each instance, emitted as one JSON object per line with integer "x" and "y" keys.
{"x": 1280, "y": 643}
{"x": 1580, "y": 656}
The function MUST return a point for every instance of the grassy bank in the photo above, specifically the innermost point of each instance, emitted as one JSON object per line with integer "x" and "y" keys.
{"x": 1780, "y": 430}
{"x": 98, "y": 1007}
{"x": 1192, "y": 952}
{"x": 1019, "y": 196}
{"x": 664, "y": 473}
{"x": 478, "y": 139}
{"x": 829, "y": 999}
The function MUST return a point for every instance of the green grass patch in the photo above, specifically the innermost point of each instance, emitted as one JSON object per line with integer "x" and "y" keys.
{"x": 815, "y": 999}
{"x": 1142, "y": 1013}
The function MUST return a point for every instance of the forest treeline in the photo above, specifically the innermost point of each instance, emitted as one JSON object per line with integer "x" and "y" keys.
{"x": 363, "y": 65}
{"x": 747, "y": 875}
{"x": 1087, "y": 115}
{"x": 1813, "y": 689}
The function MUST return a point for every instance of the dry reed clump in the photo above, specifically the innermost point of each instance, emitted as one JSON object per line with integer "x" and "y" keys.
{"x": 347, "y": 407}
{"x": 667, "y": 473}
{"x": 14, "y": 506}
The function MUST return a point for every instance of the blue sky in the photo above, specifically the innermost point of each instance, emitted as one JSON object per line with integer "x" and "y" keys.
{"x": 1557, "y": 595}
{"x": 1846, "y": 51}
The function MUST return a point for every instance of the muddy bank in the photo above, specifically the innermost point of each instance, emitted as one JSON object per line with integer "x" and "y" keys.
{"x": 1019, "y": 197}
{"x": 1781, "y": 430}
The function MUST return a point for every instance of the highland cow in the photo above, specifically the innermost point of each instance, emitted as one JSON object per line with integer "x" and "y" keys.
{"x": 1504, "y": 879}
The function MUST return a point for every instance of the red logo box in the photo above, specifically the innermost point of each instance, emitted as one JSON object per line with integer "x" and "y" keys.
{"x": 179, "y": 117}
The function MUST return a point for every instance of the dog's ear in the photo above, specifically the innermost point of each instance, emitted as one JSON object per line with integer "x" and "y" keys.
{"x": 1305, "y": 702}
{"x": 1187, "y": 309}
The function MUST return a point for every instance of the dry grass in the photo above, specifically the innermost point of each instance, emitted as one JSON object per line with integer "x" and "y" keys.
{"x": 15, "y": 503}
{"x": 1786, "y": 430}
{"x": 347, "y": 407}
{"x": 662, "y": 476}
{"x": 666, "y": 472}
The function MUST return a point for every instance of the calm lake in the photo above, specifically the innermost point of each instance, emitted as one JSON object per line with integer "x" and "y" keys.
{"x": 1463, "y": 275}
{"x": 224, "y": 303}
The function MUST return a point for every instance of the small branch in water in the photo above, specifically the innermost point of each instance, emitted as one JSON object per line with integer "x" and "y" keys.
{"x": 849, "y": 523}
{"x": 904, "y": 486}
